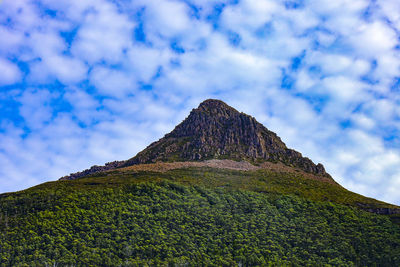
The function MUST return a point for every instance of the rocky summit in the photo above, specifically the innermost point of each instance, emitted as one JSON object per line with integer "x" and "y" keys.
{"x": 215, "y": 130}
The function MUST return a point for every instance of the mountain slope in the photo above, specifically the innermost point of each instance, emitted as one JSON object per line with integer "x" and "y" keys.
{"x": 191, "y": 217}
{"x": 220, "y": 189}
{"x": 216, "y": 131}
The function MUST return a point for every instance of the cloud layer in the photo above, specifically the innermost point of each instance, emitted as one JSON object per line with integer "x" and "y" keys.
{"x": 86, "y": 82}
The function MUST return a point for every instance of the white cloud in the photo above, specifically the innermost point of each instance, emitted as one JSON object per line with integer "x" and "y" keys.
{"x": 270, "y": 29}
{"x": 363, "y": 121}
{"x": 219, "y": 67}
{"x": 249, "y": 14}
{"x": 112, "y": 82}
{"x": 344, "y": 88}
{"x": 392, "y": 193}
{"x": 73, "y": 10}
{"x": 66, "y": 69}
{"x": 164, "y": 20}
{"x": 46, "y": 44}
{"x": 341, "y": 6}
{"x": 391, "y": 10}
{"x": 80, "y": 99}
{"x": 167, "y": 18}
{"x": 304, "y": 81}
{"x": 35, "y": 108}
{"x": 326, "y": 39}
{"x": 382, "y": 111}
{"x": 335, "y": 64}
{"x": 49, "y": 60}
{"x": 85, "y": 107}
{"x": 10, "y": 73}
{"x": 387, "y": 69}
{"x": 23, "y": 14}
{"x": 364, "y": 158}
{"x": 144, "y": 61}
{"x": 10, "y": 40}
{"x": 104, "y": 34}
{"x": 371, "y": 40}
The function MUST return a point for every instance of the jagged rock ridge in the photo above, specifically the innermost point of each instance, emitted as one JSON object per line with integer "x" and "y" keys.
{"x": 215, "y": 130}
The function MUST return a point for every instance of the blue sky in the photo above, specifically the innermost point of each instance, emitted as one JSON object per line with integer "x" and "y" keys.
{"x": 84, "y": 82}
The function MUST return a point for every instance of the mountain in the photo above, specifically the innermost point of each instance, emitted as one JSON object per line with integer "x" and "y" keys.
{"x": 215, "y": 130}
{"x": 219, "y": 190}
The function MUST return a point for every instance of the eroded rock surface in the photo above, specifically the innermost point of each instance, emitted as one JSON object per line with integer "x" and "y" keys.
{"x": 215, "y": 130}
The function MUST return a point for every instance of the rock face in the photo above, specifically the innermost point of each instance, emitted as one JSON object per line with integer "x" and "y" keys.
{"x": 94, "y": 169}
{"x": 215, "y": 130}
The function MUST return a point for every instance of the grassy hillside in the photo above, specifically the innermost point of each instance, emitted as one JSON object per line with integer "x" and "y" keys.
{"x": 266, "y": 181}
{"x": 195, "y": 216}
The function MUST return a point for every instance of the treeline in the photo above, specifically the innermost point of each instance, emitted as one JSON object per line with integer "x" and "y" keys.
{"x": 168, "y": 224}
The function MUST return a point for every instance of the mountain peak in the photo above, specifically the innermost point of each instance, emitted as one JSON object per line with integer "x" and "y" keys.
{"x": 214, "y": 105}
{"x": 216, "y": 130}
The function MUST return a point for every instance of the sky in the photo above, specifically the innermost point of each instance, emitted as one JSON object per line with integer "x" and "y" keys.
{"x": 84, "y": 82}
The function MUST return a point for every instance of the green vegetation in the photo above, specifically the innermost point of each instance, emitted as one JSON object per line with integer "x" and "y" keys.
{"x": 263, "y": 181}
{"x": 197, "y": 216}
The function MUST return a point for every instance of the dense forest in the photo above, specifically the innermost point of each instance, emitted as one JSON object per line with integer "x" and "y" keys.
{"x": 150, "y": 219}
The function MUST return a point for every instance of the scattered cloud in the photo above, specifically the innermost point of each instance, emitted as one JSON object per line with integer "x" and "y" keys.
{"x": 104, "y": 34}
{"x": 111, "y": 81}
{"x": 35, "y": 108}
{"x": 10, "y": 73}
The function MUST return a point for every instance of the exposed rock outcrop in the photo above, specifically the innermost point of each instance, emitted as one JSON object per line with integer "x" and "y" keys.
{"x": 215, "y": 130}
{"x": 94, "y": 169}
{"x": 377, "y": 210}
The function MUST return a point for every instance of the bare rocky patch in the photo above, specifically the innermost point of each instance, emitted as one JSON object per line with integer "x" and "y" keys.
{"x": 222, "y": 164}
{"x": 213, "y": 163}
